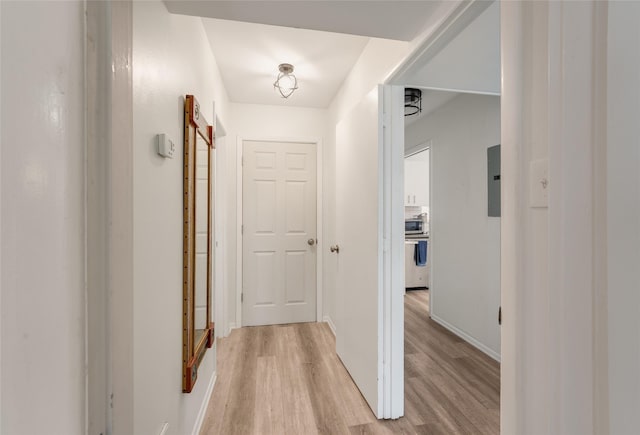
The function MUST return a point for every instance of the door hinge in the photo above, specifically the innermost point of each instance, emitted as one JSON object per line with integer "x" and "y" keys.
{"x": 500, "y": 315}
{"x": 241, "y": 297}
{"x": 241, "y": 229}
{"x": 242, "y": 161}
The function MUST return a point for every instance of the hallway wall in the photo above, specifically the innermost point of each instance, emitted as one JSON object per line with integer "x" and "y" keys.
{"x": 171, "y": 58}
{"x": 43, "y": 231}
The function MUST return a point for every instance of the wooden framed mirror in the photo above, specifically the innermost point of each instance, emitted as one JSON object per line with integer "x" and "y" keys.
{"x": 197, "y": 332}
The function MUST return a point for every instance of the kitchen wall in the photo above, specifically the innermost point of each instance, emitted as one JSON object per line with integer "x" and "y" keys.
{"x": 464, "y": 241}
{"x": 171, "y": 58}
{"x": 43, "y": 231}
{"x": 269, "y": 122}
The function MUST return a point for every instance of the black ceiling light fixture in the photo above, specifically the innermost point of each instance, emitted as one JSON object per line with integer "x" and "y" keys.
{"x": 412, "y": 101}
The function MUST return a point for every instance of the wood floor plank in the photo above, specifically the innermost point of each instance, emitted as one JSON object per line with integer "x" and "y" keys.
{"x": 239, "y": 414}
{"x": 326, "y": 411}
{"x": 439, "y": 408}
{"x": 221, "y": 391}
{"x": 434, "y": 428}
{"x": 295, "y": 395}
{"x": 351, "y": 404}
{"x": 384, "y": 427}
{"x": 287, "y": 379}
{"x": 414, "y": 410}
{"x": 269, "y": 408}
{"x": 267, "y": 342}
{"x": 459, "y": 394}
{"x": 229, "y": 347}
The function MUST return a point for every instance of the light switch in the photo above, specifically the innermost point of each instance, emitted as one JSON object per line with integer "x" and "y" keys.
{"x": 539, "y": 183}
{"x": 166, "y": 147}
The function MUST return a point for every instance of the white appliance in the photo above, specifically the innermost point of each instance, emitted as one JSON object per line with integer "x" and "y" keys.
{"x": 415, "y": 276}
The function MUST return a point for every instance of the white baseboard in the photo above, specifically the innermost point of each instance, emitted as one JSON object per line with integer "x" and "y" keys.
{"x": 472, "y": 341}
{"x": 232, "y": 326}
{"x": 205, "y": 404}
{"x": 329, "y": 322}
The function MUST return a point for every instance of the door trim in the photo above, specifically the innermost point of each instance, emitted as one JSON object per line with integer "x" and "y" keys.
{"x": 220, "y": 295}
{"x": 319, "y": 212}
{"x": 391, "y": 112}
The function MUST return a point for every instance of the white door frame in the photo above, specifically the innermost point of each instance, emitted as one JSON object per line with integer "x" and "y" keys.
{"x": 220, "y": 295}
{"x": 319, "y": 209}
{"x": 391, "y": 188}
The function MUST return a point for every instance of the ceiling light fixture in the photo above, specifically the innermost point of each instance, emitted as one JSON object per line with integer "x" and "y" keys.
{"x": 286, "y": 82}
{"x": 412, "y": 101}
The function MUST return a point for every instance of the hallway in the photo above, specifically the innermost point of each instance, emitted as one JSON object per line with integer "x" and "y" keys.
{"x": 287, "y": 379}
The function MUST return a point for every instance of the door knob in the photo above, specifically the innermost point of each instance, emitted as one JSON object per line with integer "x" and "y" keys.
{"x": 311, "y": 242}
{"x": 335, "y": 249}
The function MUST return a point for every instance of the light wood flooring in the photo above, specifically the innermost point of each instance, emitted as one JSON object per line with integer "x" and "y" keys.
{"x": 288, "y": 380}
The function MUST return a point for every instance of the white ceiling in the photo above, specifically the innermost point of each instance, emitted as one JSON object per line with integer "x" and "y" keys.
{"x": 396, "y": 19}
{"x": 250, "y": 38}
{"x": 322, "y": 39}
{"x": 431, "y": 101}
{"x": 248, "y": 56}
{"x": 470, "y": 62}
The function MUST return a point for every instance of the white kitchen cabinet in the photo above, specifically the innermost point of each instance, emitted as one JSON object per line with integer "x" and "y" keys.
{"x": 416, "y": 182}
{"x": 415, "y": 276}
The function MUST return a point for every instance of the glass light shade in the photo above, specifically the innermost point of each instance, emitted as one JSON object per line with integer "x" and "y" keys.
{"x": 286, "y": 82}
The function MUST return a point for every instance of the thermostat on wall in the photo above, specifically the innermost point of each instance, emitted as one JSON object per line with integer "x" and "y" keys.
{"x": 166, "y": 147}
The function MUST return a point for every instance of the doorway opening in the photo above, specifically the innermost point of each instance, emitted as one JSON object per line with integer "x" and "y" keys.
{"x": 452, "y": 337}
{"x": 451, "y": 323}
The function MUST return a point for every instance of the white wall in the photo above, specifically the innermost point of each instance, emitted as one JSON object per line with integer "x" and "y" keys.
{"x": 526, "y": 357}
{"x": 269, "y": 122}
{"x": 376, "y": 62}
{"x": 465, "y": 242}
{"x": 470, "y": 62}
{"x": 252, "y": 120}
{"x": 623, "y": 219}
{"x": 561, "y": 264}
{"x": 42, "y": 178}
{"x": 171, "y": 58}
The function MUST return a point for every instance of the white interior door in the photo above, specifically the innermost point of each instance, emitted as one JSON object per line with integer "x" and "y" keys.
{"x": 358, "y": 282}
{"x": 279, "y": 233}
